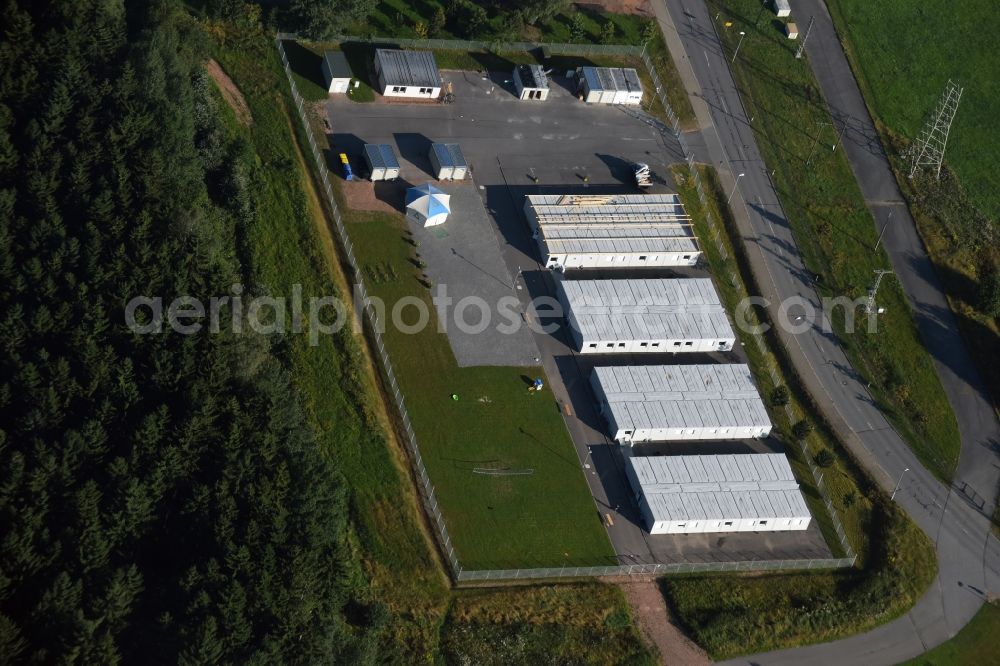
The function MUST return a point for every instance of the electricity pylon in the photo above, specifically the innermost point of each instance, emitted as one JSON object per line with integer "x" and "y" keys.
{"x": 928, "y": 151}
{"x": 879, "y": 274}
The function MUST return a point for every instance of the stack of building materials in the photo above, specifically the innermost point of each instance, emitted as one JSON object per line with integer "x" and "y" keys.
{"x": 611, "y": 231}
{"x": 382, "y": 162}
{"x": 720, "y": 493}
{"x": 448, "y": 162}
{"x": 664, "y": 403}
{"x": 645, "y": 316}
{"x": 643, "y": 176}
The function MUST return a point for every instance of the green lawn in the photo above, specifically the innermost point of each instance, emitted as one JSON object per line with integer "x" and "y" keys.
{"x": 546, "y": 518}
{"x": 906, "y": 51}
{"x": 741, "y": 614}
{"x": 835, "y": 232}
{"x": 976, "y": 643}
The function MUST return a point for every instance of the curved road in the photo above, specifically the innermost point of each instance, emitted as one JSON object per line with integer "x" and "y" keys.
{"x": 953, "y": 517}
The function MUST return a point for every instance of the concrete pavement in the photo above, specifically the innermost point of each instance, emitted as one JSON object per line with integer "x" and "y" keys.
{"x": 952, "y": 517}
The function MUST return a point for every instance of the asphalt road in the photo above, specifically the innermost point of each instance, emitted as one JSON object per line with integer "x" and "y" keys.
{"x": 952, "y": 517}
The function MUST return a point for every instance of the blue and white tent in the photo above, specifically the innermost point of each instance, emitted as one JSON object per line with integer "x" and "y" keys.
{"x": 427, "y": 204}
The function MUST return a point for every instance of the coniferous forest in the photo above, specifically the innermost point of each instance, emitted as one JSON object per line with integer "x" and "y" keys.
{"x": 161, "y": 499}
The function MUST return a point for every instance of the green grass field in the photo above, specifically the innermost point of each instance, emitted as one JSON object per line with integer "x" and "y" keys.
{"x": 906, "y": 51}
{"x": 976, "y": 643}
{"x": 835, "y": 232}
{"x": 902, "y": 54}
{"x": 732, "y": 615}
{"x": 547, "y": 518}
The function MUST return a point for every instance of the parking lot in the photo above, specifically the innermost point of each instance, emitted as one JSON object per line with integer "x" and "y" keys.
{"x": 560, "y": 146}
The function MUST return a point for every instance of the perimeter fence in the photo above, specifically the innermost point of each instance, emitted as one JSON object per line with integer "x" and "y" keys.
{"x": 374, "y": 326}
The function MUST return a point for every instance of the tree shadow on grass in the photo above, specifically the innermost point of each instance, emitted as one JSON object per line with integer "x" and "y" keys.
{"x": 305, "y": 63}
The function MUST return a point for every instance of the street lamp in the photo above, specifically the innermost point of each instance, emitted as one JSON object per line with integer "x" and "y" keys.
{"x": 735, "y": 185}
{"x": 898, "y": 481}
{"x": 742, "y": 35}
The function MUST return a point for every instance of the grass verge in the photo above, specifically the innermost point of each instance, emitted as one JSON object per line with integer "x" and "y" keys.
{"x": 573, "y": 624}
{"x": 976, "y": 643}
{"x": 731, "y": 615}
{"x": 958, "y": 216}
{"x": 835, "y": 232}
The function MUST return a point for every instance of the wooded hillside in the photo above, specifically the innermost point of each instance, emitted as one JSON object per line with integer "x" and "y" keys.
{"x": 161, "y": 496}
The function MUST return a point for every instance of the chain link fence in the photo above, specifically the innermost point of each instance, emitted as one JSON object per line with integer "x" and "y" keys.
{"x": 375, "y": 326}
{"x": 425, "y": 488}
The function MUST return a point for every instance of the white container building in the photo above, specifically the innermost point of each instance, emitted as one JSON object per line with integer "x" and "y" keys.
{"x": 782, "y": 8}
{"x": 753, "y": 492}
{"x": 610, "y": 85}
{"x": 382, "y": 162}
{"x": 530, "y": 82}
{"x": 645, "y": 316}
{"x": 336, "y": 72}
{"x": 448, "y": 162}
{"x": 666, "y": 403}
{"x": 407, "y": 74}
{"x": 614, "y": 231}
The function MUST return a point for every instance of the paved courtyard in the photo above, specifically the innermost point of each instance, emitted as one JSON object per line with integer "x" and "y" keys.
{"x": 560, "y": 146}
{"x": 463, "y": 257}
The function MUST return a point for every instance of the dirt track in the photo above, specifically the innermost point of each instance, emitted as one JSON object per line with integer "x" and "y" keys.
{"x": 650, "y": 612}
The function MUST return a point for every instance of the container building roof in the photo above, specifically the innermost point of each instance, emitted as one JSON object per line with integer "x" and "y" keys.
{"x": 646, "y": 397}
{"x": 381, "y": 155}
{"x": 718, "y": 487}
{"x": 449, "y": 154}
{"x": 659, "y": 309}
{"x": 408, "y": 68}
{"x": 643, "y": 223}
{"x": 337, "y": 63}
{"x": 533, "y": 76}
